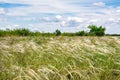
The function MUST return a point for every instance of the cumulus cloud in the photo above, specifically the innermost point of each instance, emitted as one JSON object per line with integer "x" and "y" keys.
{"x": 99, "y": 4}
{"x": 64, "y": 21}
{"x": 118, "y": 11}
{"x": 46, "y": 19}
{"x": 10, "y": 26}
{"x": 58, "y": 16}
{"x": 16, "y": 13}
{"x": 2, "y": 11}
{"x": 93, "y": 20}
{"x": 72, "y": 22}
{"x": 111, "y": 19}
{"x": 77, "y": 19}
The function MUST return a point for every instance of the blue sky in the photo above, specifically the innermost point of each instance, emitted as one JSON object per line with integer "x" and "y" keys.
{"x": 66, "y": 15}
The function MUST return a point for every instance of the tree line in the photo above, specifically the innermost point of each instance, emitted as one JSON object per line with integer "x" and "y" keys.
{"x": 93, "y": 31}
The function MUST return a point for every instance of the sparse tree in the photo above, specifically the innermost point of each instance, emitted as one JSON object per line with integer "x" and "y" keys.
{"x": 81, "y": 33}
{"x": 57, "y": 32}
{"x": 97, "y": 31}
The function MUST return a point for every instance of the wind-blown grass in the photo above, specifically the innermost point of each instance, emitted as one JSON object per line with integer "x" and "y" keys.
{"x": 60, "y": 58}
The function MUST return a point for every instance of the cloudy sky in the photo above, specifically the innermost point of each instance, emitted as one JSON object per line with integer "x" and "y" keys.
{"x": 66, "y": 15}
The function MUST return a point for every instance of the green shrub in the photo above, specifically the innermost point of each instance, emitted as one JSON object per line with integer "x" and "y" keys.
{"x": 57, "y": 32}
{"x": 97, "y": 31}
{"x": 68, "y": 34}
{"x": 81, "y": 33}
{"x": 35, "y": 34}
{"x": 21, "y": 32}
{"x": 47, "y": 34}
{"x": 1, "y": 32}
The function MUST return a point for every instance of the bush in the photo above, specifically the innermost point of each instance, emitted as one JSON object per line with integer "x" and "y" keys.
{"x": 68, "y": 34}
{"x": 97, "y": 31}
{"x": 1, "y": 33}
{"x": 35, "y": 33}
{"x": 21, "y": 32}
{"x": 57, "y": 32}
{"x": 81, "y": 33}
{"x": 47, "y": 34}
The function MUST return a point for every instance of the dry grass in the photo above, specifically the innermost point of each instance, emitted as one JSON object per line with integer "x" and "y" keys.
{"x": 60, "y": 58}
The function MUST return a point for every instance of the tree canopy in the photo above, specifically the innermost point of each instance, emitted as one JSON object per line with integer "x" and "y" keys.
{"x": 97, "y": 31}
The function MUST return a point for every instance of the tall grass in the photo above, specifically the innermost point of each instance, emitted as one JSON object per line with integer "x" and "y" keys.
{"x": 59, "y": 58}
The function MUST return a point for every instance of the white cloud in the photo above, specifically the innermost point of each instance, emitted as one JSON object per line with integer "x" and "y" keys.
{"x": 111, "y": 19}
{"x": 2, "y": 11}
{"x": 16, "y": 13}
{"x": 46, "y": 19}
{"x": 118, "y": 10}
{"x": 16, "y": 25}
{"x": 58, "y": 16}
{"x": 99, "y": 4}
{"x": 93, "y": 20}
{"x": 10, "y": 26}
{"x": 44, "y": 6}
{"x": 77, "y": 19}
{"x": 65, "y": 21}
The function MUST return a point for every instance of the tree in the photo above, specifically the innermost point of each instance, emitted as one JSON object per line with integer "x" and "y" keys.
{"x": 97, "y": 31}
{"x": 1, "y": 32}
{"x": 81, "y": 33}
{"x": 21, "y": 32}
{"x": 57, "y": 32}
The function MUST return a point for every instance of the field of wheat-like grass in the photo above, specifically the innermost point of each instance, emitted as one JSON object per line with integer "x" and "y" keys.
{"x": 60, "y": 58}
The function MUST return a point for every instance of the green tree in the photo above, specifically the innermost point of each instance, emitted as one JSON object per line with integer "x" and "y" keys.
{"x": 57, "y": 32}
{"x": 21, "y": 32}
{"x": 97, "y": 31}
{"x": 1, "y": 32}
{"x": 81, "y": 33}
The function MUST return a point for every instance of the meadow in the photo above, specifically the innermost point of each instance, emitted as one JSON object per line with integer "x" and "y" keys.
{"x": 60, "y": 58}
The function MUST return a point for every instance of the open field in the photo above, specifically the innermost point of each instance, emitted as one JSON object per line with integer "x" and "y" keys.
{"x": 60, "y": 58}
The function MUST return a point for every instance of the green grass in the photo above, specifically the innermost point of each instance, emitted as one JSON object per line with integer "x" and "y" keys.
{"x": 60, "y": 58}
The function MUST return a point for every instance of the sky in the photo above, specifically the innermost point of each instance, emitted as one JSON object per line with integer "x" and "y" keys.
{"x": 65, "y": 15}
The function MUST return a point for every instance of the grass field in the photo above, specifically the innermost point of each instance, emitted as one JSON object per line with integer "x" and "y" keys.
{"x": 60, "y": 58}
